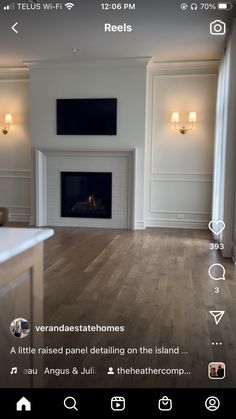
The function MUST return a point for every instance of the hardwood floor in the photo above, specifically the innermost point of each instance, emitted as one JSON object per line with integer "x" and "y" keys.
{"x": 155, "y": 283}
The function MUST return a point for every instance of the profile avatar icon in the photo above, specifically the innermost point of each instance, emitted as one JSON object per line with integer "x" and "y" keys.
{"x": 20, "y": 328}
{"x": 110, "y": 371}
{"x": 212, "y": 403}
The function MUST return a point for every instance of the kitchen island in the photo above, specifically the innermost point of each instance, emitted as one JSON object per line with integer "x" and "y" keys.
{"x": 21, "y": 297}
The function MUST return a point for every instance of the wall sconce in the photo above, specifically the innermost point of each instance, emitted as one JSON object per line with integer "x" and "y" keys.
{"x": 8, "y": 121}
{"x": 175, "y": 119}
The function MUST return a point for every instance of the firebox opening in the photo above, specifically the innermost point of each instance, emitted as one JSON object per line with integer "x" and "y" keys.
{"x": 86, "y": 194}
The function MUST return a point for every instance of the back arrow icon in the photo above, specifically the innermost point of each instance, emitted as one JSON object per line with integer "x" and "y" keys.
{"x": 13, "y": 27}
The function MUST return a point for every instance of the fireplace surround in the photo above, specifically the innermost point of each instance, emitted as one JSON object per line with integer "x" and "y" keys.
{"x": 50, "y": 163}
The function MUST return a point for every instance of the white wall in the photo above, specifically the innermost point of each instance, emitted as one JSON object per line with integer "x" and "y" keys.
{"x": 15, "y": 146}
{"x": 224, "y": 204}
{"x": 229, "y": 234}
{"x": 122, "y": 79}
{"x": 179, "y": 167}
{"x": 178, "y": 171}
{"x": 229, "y": 175}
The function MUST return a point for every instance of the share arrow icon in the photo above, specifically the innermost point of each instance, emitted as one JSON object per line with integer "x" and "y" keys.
{"x": 217, "y": 315}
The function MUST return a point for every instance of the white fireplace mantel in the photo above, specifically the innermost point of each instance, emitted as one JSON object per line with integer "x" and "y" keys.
{"x": 50, "y": 162}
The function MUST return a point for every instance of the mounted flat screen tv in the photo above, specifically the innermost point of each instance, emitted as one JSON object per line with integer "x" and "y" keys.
{"x": 86, "y": 116}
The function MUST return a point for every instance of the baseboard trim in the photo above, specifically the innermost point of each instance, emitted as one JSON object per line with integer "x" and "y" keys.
{"x": 177, "y": 224}
{"x": 32, "y": 221}
{"x": 19, "y": 218}
{"x": 140, "y": 225}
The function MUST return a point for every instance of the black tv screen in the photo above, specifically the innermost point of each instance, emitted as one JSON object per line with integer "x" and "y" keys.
{"x": 86, "y": 116}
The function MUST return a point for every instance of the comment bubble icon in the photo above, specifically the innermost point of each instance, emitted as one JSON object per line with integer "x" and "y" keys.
{"x": 217, "y": 272}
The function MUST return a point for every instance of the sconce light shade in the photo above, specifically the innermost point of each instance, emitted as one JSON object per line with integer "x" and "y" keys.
{"x": 192, "y": 117}
{"x": 175, "y": 117}
{"x": 8, "y": 121}
{"x": 8, "y": 118}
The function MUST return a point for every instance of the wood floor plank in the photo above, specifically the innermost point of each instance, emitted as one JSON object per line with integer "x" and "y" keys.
{"x": 155, "y": 283}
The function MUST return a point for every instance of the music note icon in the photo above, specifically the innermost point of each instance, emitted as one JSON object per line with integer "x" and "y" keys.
{"x": 13, "y": 370}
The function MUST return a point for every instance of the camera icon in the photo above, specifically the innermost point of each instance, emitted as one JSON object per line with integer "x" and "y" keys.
{"x": 218, "y": 28}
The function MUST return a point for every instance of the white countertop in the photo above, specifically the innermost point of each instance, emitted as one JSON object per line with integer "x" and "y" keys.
{"x": 14, "y": 241}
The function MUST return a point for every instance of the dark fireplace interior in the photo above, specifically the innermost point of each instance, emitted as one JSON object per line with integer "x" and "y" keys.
{"x": 86, "y": 194}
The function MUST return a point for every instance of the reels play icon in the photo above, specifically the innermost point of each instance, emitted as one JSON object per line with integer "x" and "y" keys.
{"x": 118, "y": 404}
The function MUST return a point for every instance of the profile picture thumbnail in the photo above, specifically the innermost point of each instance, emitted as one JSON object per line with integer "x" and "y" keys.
{"x": 20, "y": 328}
{"x": 216, "y": 370}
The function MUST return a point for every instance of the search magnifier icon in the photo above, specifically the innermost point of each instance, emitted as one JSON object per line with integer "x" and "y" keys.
{"x": 70, "y": 403}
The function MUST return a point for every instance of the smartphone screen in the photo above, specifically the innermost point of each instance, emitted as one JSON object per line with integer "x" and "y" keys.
{"x": 117, "y": 208}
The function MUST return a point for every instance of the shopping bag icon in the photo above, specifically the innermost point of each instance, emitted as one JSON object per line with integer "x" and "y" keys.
{"x": 165, "y": 404}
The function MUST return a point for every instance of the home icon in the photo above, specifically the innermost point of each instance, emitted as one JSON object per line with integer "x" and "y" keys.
{"x": 23, "y": 405}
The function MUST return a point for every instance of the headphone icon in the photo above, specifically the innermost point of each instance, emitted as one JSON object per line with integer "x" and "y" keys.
{"x": 194, "y": 6}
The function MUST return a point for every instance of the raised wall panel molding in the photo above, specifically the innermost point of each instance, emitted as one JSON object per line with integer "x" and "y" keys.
{"x": 181, "y": 209}
{"x": 153, "y": 110}
{"x": 184, "y": 76}
{"x": 166, "y": 179}
{"x": 184, "y": 67}
{"x": 14, "y": 74}
{"x": 22, "y": 207}
{"x": 184, "y": 173}
{"x": 18, "y": 213}
{"x": 15, "y": 173}
{"x": 183, "y": 212}
{"x": 191, "y": 189}
{"x": 19, "y": 218}
{"x": 20, "y": 178}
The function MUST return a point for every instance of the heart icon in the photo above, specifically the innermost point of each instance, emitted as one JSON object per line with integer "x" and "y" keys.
{"x": 216, "y": 226}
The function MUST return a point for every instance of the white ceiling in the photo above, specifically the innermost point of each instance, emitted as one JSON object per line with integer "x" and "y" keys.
{"x": 161, "y": 30}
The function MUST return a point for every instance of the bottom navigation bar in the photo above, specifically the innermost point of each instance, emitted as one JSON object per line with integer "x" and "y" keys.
{"x": 108, "y": 403}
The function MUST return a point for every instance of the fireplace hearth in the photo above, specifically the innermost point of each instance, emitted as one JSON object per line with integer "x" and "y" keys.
{"x": 86, "y": 194}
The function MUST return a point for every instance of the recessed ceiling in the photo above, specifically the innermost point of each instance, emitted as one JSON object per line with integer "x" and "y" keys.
{"x": 160, "y": 30}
